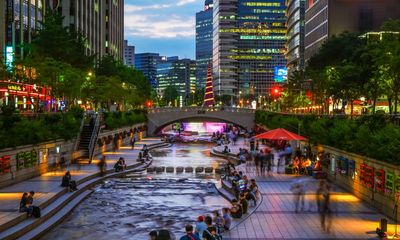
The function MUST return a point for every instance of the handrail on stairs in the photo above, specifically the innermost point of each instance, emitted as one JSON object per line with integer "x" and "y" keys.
{"x": 93, "y": 138}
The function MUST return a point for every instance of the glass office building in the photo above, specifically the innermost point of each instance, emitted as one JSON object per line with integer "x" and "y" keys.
{"x": 295, "y": 34}
{"x": 204, "y": 43}
{"x": 249, "y": 38}
{"x": 147, "y": 63}
{"x": 178, "y": 73}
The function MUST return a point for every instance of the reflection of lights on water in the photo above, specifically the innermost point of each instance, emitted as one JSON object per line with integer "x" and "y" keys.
{"x": 149, "y": 178}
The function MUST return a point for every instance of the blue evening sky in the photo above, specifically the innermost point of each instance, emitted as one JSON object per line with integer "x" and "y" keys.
{"x": 162, "y": 26}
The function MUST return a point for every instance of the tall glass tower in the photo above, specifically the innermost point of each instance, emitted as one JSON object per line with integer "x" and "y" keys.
{"x": 249, "y": 45}
{"x": 204, "y": 44}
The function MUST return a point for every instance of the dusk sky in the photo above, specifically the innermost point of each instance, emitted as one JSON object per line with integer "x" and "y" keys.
{"x": 162, "y": 26}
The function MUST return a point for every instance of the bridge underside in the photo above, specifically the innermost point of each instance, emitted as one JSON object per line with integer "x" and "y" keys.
{"x": 158, "y": 120}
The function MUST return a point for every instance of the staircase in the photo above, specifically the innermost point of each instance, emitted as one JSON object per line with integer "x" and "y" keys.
{"x": 84, "y": 139}
{"x": 88, "y": 137}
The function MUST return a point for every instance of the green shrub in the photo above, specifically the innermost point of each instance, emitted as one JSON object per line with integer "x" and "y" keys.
{"x": 372, "y": 135}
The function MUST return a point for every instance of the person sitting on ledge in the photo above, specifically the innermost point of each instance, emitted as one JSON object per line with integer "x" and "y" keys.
{"x": 236, "y": 210}
{"x": 120, "y": 165}
{"x": 226, "y": 150}
{"x": 68, "y": 183}
{"x": 23, "y": 203}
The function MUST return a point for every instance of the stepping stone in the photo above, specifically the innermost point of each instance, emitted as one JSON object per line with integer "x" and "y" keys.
{"x": 179, "y": 169}
{"x": 170, "y": 169}
{"x": 199, "y": 169}
{"x": 160, "y": 169}
{"x": 189, "y": 169}
{"x": 208, "y": 169}
{"x": 151, "y": 169}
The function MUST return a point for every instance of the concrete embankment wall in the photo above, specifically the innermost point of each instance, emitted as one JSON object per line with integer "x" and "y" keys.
{"x": 375, "y": 182}
{"x": 25, "y": 162}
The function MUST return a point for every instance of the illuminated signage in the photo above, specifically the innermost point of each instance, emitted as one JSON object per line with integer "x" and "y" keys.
{"x": 14, "y": 87}
{"x": 280, "y": 74}
{"x": 9, "y": 56}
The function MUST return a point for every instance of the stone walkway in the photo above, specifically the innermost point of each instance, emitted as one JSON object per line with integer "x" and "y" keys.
{"x": 276, "y": 217}
{"x": 47, "y": 185}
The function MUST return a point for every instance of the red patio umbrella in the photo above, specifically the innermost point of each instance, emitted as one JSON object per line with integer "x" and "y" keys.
{"x": 280, "y": 134}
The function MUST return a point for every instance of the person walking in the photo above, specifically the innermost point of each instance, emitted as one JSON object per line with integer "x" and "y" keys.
{"x": 326, "y": 213}
{"x": 102, "y": 165}
{"x": 133, "y": 141}
{"x": 270, "y": 158}
{"x": 299, "y": 192}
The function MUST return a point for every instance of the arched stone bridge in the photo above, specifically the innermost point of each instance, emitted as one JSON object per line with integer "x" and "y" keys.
{"x": 161, "y": 117}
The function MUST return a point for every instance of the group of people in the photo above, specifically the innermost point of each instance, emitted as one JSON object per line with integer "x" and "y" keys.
{"x": 26, "y": 205}
{"x": 263, "y": 161}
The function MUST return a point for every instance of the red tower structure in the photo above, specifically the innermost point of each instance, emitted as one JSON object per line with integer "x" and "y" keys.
{"x": 209, "y": 92}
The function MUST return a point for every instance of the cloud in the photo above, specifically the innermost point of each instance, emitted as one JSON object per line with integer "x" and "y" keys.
{"x": 155, "y": 26}
{"x": 129, "y": 8}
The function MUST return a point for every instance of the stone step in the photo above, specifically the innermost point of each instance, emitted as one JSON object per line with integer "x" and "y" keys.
{"x": 56, "y": 219}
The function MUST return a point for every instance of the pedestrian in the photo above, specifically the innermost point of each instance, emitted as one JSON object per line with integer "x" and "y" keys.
{"x": 227, "y": 218}
{"x": 257, "y": 159}
{"x": 189, "y": 233}
{"x": 270, "y": 158}
{"x": 218, "y": 220}
{"x": 299, "y": 192}
{"x": 102, "y": 165}
{"x": 133, "y": 141}
{"x": 326, "y": 212}
{"x": 263, "y": 162}
{"x": 201, "y": 226}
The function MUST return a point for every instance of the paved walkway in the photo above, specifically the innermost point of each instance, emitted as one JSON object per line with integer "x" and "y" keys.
{"x": 47, "y": 185}
{"x": 276, "y": 217}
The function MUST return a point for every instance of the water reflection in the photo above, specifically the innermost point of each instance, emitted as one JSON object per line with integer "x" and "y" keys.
{"x": 129, "y": 208}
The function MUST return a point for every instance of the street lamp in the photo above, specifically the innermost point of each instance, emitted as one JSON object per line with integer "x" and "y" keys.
{"x": 240, "y": 101}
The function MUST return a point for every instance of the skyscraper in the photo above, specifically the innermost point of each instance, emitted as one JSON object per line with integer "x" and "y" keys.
{"x": 295, "y": 13}
{"x": 248, "y": 46}
{"x": 101, "y": 21}
{"x": 129, "y": 54}
{"x": 325, "y": 18}
{"x": 204, "y": 45}
{"x": 147, "y": 63}
{"x": 178, "y": 73}
{"x": 19, "y": 21}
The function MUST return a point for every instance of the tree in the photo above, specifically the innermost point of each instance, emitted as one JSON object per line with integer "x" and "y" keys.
{"x": 63, "y": 44}
{"x": 170, "y": 94}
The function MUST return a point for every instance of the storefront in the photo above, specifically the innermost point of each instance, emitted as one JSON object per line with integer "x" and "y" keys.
{"x": 25, "y": 97}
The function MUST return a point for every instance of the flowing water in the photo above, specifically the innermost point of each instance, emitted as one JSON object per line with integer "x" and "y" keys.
{"x": 129, "y": 208}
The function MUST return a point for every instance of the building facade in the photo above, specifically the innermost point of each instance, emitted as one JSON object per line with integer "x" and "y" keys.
{"x": 295, "y": 13}
{"x": 147, "y": 63}
{"x": 19, "y": 22}
{"x": 129, "y": 54}
{"x": 178, "y": 73}
{"x": 249, "y": 38}
{"x": 204, "y": 42}
{"x": 101, "y": 21}
{"x": 325, "y": 18}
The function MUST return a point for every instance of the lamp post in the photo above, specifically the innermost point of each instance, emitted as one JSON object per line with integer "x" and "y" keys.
{"x": 240, "y": 101}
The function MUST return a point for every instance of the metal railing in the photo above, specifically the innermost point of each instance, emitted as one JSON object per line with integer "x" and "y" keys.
{"x": 205, "y": 109}
{"x": 93, "y": 138}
